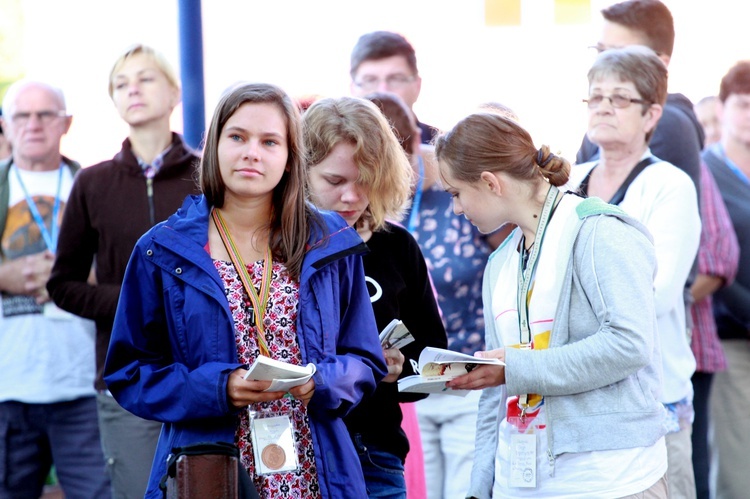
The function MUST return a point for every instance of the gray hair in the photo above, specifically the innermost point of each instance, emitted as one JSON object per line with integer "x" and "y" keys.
{"x": 9, "y": 101}
{"x": 637, "y": 64}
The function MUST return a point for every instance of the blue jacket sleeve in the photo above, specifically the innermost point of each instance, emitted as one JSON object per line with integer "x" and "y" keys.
{"x": 148, "y": 368}
{"x": 352, "y": 368}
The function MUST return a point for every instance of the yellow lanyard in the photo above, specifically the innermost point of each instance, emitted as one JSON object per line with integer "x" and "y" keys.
{"x": 259, "y": 303}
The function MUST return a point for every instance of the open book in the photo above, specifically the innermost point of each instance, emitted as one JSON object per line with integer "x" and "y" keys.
{"x": 437, "y": 366}
{"x": 395, "y": 335}
{"x": 282, "y": 374}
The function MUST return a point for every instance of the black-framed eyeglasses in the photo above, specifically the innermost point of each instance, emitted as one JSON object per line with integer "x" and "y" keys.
{"x": 45, "y": 117}
{"x": 616, "y": 100}
{"x": 392, "y": 82}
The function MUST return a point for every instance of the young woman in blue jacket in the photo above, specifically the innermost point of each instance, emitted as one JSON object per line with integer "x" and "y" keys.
{"x": 250, "y": 268}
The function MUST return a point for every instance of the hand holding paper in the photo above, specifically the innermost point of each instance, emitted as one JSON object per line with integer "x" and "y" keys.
{"x": 395, "y": 335}
{"x": 438, "y": 366}
{"x": 283, "y": 376}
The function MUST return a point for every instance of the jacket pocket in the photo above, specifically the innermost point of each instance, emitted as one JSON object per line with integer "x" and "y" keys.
{"x": 174, "y": 302}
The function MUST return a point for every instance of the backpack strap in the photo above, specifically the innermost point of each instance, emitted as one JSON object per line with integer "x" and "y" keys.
{"x": 620, "y": 194}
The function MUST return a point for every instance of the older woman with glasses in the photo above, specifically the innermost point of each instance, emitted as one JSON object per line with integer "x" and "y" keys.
{"x": 627, "y": 92}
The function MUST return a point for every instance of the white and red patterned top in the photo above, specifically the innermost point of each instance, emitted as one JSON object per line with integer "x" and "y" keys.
{"x": 281, "y": 337}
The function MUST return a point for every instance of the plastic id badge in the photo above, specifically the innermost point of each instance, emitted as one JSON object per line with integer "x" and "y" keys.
{"x": 522, "y": 460}
{"x": 522, "y": 437}
{"x": 273, "y": 444}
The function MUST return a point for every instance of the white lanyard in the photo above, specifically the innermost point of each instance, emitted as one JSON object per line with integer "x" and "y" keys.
{"x": 526, "y": 277}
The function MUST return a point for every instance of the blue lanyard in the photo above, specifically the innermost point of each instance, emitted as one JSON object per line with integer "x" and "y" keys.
{"x": 731, "y": 165}
{"x": 417, "y": 198}
{"x": 50, "y": 236}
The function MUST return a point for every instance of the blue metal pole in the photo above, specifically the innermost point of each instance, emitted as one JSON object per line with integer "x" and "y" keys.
{"x": 191, "y": 71}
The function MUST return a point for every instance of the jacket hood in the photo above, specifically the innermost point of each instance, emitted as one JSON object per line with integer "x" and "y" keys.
{"x": 178, "y": 154}
{"x": 596, "y": 206}
{"x": 330, "y": 240}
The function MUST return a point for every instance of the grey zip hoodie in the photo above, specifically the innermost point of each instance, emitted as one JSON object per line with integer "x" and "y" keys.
{"x": 601, "y": 375}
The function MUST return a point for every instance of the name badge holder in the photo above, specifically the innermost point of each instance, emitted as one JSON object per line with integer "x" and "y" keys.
{"x": 273, "y": 443}
{"x": 522, "y": 443}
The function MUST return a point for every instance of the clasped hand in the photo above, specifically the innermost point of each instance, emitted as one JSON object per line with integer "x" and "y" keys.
{"x": 242, "y": 392}
{"x": 28, "y": 275}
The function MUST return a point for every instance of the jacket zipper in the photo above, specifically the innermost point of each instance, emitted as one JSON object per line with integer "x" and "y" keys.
{"x": 150, "y": 194}
{"x": 551, "y": 459}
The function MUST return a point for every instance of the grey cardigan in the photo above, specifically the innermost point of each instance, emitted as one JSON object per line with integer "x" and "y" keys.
{"x": 603, "y": 352}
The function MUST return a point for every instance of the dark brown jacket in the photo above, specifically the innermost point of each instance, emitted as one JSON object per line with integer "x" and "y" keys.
{"x": 107, "y": 211}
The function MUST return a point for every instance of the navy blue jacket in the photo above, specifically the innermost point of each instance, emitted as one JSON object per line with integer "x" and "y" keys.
{"x": 173, "y": 343}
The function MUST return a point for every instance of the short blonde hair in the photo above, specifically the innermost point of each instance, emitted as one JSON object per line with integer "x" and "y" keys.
{"x": 384, "y": 168}
{"x": 157, "y": 57}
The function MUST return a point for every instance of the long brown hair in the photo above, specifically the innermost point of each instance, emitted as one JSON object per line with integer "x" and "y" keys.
{"x": 495, "y": 143}
{"x": 291, "y": 217}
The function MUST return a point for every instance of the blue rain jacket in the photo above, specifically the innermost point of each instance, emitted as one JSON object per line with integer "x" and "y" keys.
{"x": 173, "y": 343}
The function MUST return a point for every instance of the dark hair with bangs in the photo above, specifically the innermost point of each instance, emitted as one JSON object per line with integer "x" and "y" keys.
{"x": 381, "y": 45}
{"x": 651, "y": 18}
{"x": 736, "y": 81}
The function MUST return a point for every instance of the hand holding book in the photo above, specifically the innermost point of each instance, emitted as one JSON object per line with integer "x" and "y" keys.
{"x": 395, "y": 335}
{"x": 437, "y": 366}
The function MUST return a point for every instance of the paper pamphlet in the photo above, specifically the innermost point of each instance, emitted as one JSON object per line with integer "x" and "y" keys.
{"x": 283, "y": 375}
{"x": 437, "y": 366}
{"x": 395, "y": 335}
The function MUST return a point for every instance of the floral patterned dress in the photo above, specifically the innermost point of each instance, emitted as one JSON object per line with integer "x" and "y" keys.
{"x": 281, "y": 337}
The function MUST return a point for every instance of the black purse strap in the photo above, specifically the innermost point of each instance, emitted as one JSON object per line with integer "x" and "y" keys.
{"x": 620, "y": 194}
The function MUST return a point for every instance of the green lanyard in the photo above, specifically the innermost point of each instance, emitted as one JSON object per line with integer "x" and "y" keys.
{"x": 258, "y": 312}
{"x": 526, "y": 277}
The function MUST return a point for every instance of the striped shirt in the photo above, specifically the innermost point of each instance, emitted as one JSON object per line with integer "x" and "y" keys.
{"x": 718, "y": 255}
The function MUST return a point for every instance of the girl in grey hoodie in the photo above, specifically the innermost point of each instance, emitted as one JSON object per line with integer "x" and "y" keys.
{"x": 574, "y": 411}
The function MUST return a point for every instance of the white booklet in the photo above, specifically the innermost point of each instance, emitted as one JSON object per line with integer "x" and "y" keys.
{"x": 282, "y": 375}
{"x": 436, "y": 367}
{"x": 395, "y": 335}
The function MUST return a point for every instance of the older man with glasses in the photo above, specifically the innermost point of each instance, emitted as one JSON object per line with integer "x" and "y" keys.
{"x": 383, "y": 61}
{"x": 47, "y": 401}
